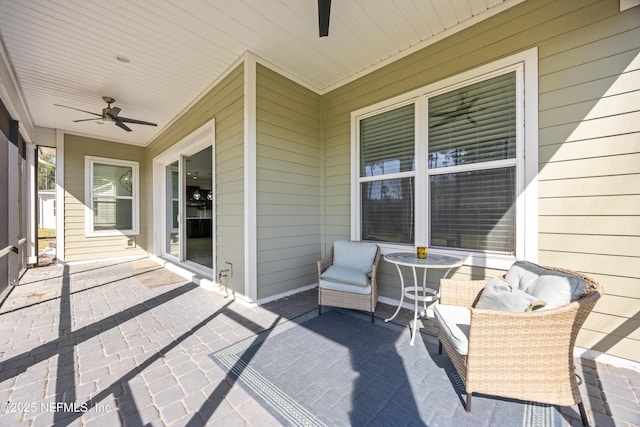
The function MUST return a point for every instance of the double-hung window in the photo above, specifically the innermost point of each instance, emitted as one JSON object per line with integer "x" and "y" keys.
{"x": 452, "y": 166}
{"x": 387, "y": 175}
{"x": 111, "y": 197}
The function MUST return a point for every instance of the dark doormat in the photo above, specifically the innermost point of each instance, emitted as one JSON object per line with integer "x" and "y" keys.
{"x": 339, "y": 369}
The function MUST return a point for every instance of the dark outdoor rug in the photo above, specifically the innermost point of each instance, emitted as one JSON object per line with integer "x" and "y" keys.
{"x": 339, "y": 369}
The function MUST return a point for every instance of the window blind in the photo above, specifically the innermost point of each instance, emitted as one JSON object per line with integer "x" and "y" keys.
{"x": 476, "y": 123}
{"x": 387, "y": 146}
{"x": 387, "y": 142}
{"x": 474, "y": 210}
{"x": 388, "y": 210}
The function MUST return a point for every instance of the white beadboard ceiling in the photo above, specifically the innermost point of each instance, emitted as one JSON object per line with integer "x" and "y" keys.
{"x": 64, "y": 51}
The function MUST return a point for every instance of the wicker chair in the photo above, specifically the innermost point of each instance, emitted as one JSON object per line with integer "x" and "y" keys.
{"x": 338, "y": 296}
{"x": 524, "y": 356}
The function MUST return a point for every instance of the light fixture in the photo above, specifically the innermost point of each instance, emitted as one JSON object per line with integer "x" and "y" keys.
{"x": 196, "y": 195}
{"x": 210, "y": 195}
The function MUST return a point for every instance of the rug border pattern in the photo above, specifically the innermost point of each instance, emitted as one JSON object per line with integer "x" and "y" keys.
{"x": 534, "y": 414}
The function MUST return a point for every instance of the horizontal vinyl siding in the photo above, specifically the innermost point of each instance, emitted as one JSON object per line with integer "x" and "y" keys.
{"x": 77, "y": 246}
{"x": 225, "y": 104}
{"x": 589, "y": 144}
{"x": 590, "y": 168}
{"x": 288, "y": 184}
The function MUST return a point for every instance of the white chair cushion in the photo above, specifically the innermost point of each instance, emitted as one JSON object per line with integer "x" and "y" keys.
{"x": 357, "y": 255}
{"x": 500, "y": 295}
{"x": 554, "y": 287}
{"x": 454, "y": 323}
{"x": 350, "y": 276}
{"x": 345, "y": 287}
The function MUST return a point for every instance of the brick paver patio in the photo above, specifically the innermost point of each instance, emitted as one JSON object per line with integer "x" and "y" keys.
{"x": 128, "y": 343}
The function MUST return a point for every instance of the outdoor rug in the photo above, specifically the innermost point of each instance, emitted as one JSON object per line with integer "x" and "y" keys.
{"x": 339, "y": 369}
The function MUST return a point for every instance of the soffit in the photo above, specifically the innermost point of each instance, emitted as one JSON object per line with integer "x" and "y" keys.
{"x": 64, "y": 52}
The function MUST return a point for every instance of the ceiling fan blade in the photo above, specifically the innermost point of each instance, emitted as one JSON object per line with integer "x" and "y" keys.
{"x": 324, "y": 12}
{"x": 136, "y": 122}
{"x": 113, "y": 112}
{"x": 77, "y": 109}
{"x": 87, "y": 120}
{"x": 122, "y": 126}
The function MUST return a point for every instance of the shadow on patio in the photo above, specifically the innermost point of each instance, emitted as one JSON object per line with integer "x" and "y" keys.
{"x": 129, "y": 343}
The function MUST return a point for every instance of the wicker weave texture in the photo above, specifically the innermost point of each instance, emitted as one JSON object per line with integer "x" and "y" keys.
{"x": 333, "y": 298}
{"x": 525, "y": 356}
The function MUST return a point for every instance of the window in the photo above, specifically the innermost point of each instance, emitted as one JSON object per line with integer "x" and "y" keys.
{"x": 111, "y": 197}
{"x": 387, "y": 175}
{"x": 452, "y": 166}
{"x": 471, "y": 166}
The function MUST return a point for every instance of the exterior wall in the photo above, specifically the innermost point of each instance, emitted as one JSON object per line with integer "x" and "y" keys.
{"x": 47, "y": 209}
{"x": 590, "y": 167}
{"x": 6, "y": 241}
{"x": 589, "y": 124}
{"x": 224, "y": 103}
{"x": 77, "y": 246}
{"x": 288, "y": 184}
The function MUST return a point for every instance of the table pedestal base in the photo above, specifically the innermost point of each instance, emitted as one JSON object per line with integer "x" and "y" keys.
{"x": 417, "y": 293}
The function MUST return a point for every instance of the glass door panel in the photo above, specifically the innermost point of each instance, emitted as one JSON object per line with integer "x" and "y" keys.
{"x": 198, "y": 191}
{"x": 173, "y": 209}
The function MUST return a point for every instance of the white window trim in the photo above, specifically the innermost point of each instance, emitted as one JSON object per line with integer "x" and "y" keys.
{"x": 89, "y": 161}
{"x": 526, "y": 63}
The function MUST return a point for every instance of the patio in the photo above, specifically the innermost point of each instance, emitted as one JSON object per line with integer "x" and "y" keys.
{"x": 128, "y": 343}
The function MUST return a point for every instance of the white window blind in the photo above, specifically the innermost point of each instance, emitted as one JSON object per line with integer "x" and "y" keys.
{"x": 473, "y": 206}
{"x": 387, "y": 168}
{"x": 387, "y": 142}
{"x": 474, "y": 210}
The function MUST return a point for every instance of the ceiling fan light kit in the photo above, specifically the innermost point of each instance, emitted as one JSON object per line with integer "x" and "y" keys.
{"x": 110, "y": 114}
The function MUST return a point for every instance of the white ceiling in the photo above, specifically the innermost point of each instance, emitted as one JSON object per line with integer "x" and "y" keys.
{"x": 64, "y": 51}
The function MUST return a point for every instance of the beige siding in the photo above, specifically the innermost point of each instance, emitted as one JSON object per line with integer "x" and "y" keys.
{"x": 589, "y": 149}
{"x": 77, "y": 246}
{"x": 225, "y": 104}
{"x": 590, "y": 167}
{"x": 288, "y": 184}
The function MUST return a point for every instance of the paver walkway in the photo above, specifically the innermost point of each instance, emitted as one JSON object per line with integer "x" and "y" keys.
{"x": 128, "y": 343}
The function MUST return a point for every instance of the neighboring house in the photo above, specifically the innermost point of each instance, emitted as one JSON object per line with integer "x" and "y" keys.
{"x": 533, "y": 123}
{"x": 47, "y": 208}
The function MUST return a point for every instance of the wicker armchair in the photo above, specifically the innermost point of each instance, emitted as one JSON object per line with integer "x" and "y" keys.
{"x": 342, "y": 293}
{"x": 524, "y": 356}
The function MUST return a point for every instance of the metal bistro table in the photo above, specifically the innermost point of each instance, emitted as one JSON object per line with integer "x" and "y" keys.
{"x": 419, "y": 293}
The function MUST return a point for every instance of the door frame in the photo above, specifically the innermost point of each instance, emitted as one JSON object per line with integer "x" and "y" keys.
{"x": 195, "y": 142}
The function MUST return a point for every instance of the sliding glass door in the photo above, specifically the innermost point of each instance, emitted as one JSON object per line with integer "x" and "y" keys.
{"x": 198, "y": 208}
{"x": 173, "y": 209}
{"x": 189, "y": 208}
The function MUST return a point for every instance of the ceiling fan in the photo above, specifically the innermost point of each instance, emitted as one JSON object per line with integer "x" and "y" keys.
{"x": 324, "y": 10}
{"x": 110, "y": 114}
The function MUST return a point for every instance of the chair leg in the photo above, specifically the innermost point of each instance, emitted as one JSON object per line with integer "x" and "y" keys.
{"x": 583, "y": 414}
{"x": 372, "y": 317}
{"x": 439, "y": 347}
{"x": 468, "y": 405}
{"x": 319, "y": 310}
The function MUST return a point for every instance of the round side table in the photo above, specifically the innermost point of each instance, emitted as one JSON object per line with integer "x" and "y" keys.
{"x": 418, "y": 293}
